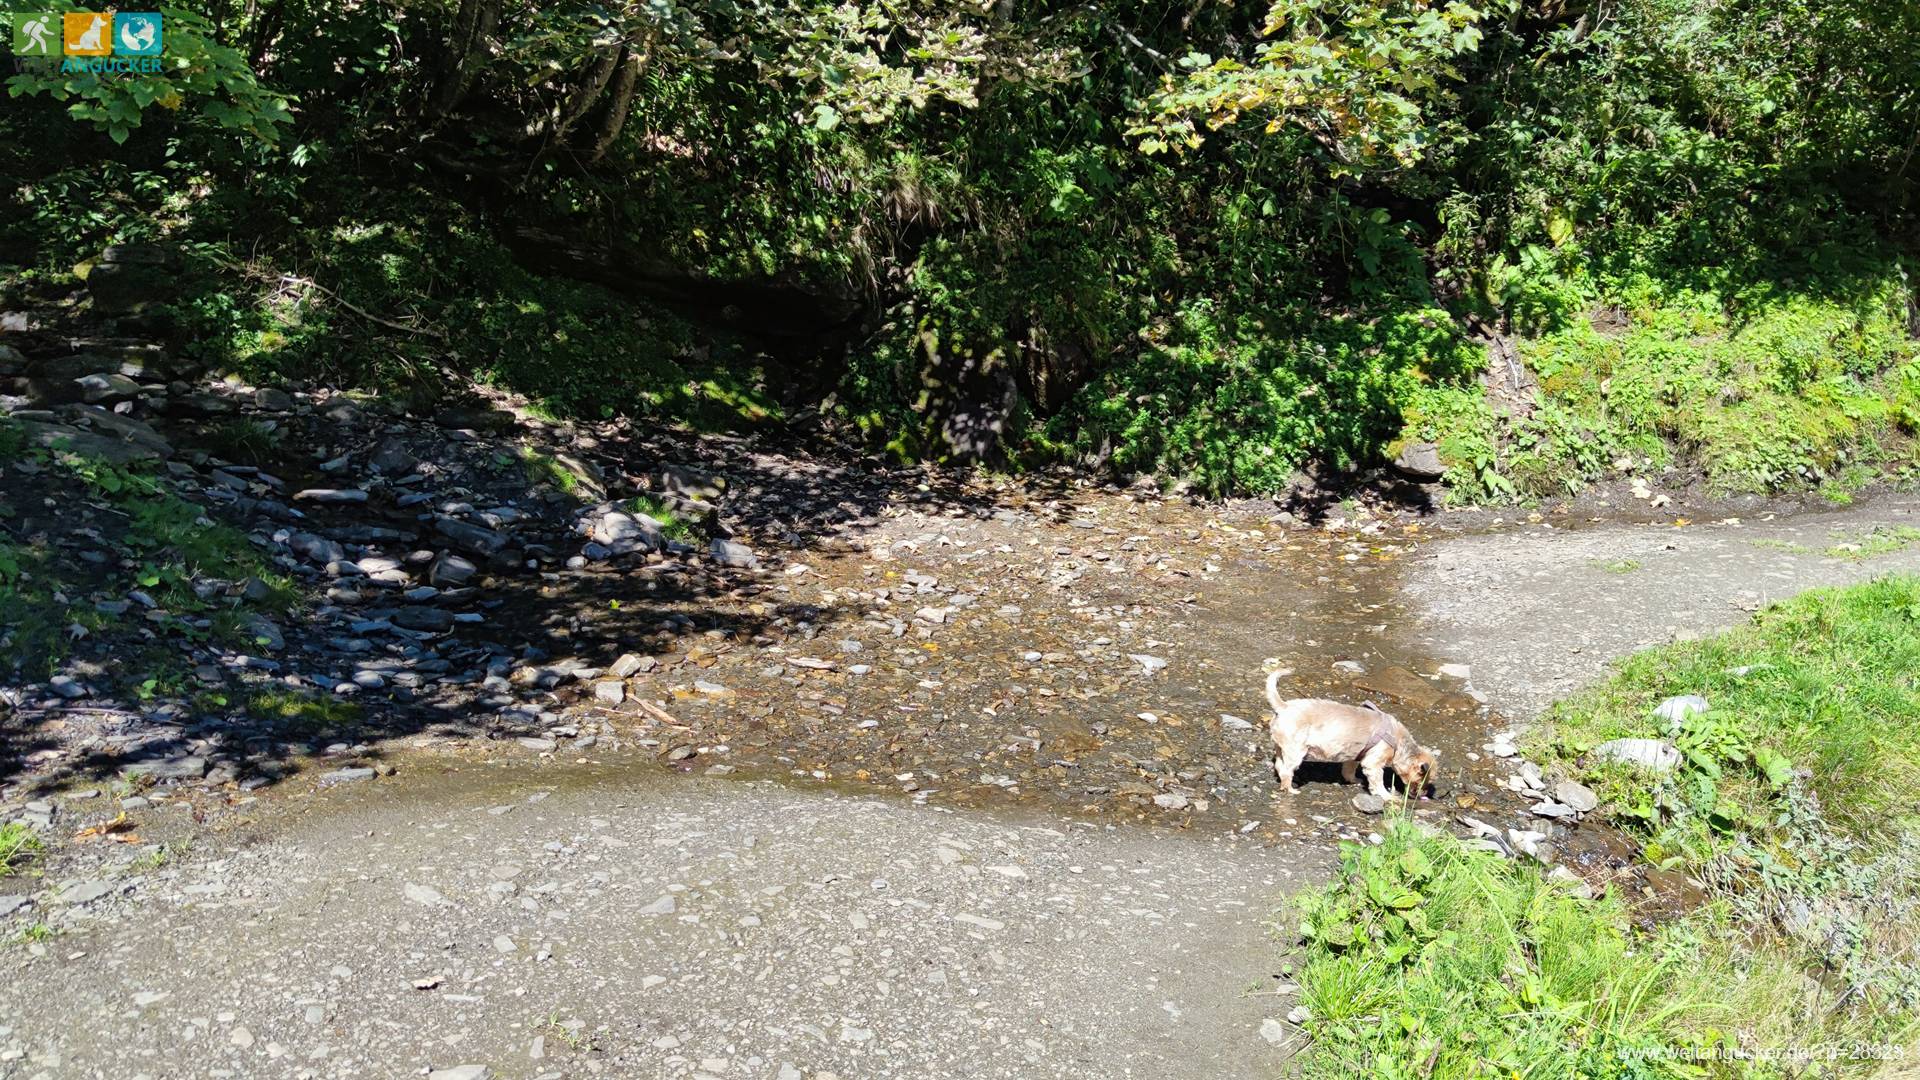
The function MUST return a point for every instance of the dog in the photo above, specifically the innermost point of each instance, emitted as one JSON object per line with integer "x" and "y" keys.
{"x": 89, "y": 39}
{"x": 1363, "y": 739}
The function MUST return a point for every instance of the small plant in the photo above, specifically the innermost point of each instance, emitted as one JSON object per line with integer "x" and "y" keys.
{"x": 1617, "y": 566}
{"x": 305, "y": 713}
{"x": 19, "y": 847}
{"x": 569, "y": 1032}
{"x": 243, "y": 442}
{"x": 672, "y": 525}
{"x": 34, "y": 933}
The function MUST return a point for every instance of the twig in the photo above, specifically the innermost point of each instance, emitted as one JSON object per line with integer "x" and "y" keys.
{"x": 429, "y": 331}
{"x": 657, "y": 712}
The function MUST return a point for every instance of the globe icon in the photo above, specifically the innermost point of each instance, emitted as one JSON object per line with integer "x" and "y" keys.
{"x": 138, "y": 34}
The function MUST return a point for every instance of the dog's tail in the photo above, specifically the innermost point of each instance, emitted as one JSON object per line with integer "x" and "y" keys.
{"x": 1273, "y": 691}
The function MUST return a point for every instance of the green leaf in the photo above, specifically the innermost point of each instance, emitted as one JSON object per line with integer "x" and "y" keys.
{"x": 1774, "y": 764}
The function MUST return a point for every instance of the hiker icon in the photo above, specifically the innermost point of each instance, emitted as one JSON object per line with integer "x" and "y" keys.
{"x": 33, "y": 35}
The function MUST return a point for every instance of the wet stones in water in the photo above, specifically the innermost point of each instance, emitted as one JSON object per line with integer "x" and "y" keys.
{"x": 1401, "y": 685}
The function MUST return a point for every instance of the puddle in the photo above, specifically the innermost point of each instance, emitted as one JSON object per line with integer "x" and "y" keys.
{"x": 1029, "y": 691}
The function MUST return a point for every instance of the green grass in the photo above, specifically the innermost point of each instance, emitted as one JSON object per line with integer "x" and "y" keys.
{"x": 19, "y": 847}
{"x": 1795, "y": 797}
{"x": 672, "y": 525}
{"x": 1879, "y": 540}
{"x": 1429, "y": 958}
{"x": 34, "y": 933}
{"x": 304, "y": 713}
{"x": 243, "y": 442}
{"x": 166, "y": 545}
{"x": 1617, "y": 566}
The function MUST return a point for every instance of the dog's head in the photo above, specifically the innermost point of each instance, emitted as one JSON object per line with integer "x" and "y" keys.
{"x": 1417, "y": 769}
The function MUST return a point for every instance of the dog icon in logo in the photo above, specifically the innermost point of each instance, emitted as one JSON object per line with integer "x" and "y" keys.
{"x": 86, "y": 34}
{"x": 33, "y": 35}
{"x": 136, "y": 33}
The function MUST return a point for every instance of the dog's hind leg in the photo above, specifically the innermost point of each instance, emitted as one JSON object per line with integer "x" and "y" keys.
{"x": 1285, "y": 764}
{"x": 1349, "y": 771}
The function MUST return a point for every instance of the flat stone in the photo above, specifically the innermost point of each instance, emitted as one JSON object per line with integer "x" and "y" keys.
{"x": 474, "y": 538}
{"x": 731, "y": 553}
{"x": 12, "y": 902}
{"x": 1654, "y": 755}
{"x": 632, "y": 664}
{"x": 1149, "y": 665}
{"x": 1576, "y": 795}
{"x": 462, "y": 1072}
{"x": 83, "y": 892}
{"x": 1401, "y": 685}
{"x": 183, "y": 768}
{"x": 1676, "y": 709}
{"x": 450, "y": 571}
{"x": 1368, "y": 803}
{"x": 347, "y": 775}
{"x": 331, "y": 495}
{"x": 426, "y": 620}
{"x": 610, "y": 692}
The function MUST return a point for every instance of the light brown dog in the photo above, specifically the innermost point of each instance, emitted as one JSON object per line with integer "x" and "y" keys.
{"x": 1361, "y": 739}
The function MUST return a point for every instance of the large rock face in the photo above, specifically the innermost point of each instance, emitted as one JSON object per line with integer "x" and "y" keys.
{"x": 1420, "y": 461}
{"x": 130, "y": 276}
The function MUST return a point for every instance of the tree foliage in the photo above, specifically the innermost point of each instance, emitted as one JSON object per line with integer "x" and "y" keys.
{"x": 1029, "y": 215}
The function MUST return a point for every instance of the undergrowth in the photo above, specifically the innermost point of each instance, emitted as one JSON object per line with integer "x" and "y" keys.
{"x": 1795, "y": 792}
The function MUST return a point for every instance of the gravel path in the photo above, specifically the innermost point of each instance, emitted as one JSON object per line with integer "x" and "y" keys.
{"x": 1541, "y": 611}
{"x": 672, "y": 927}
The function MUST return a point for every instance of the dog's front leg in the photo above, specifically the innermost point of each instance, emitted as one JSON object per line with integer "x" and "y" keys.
{"x": 1376, "y": 781}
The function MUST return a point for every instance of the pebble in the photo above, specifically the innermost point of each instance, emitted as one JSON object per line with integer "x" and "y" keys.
{"x": 1575, "y": 795}
{"x": 67, "y": 686}
{"x": 331, "y": 496}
